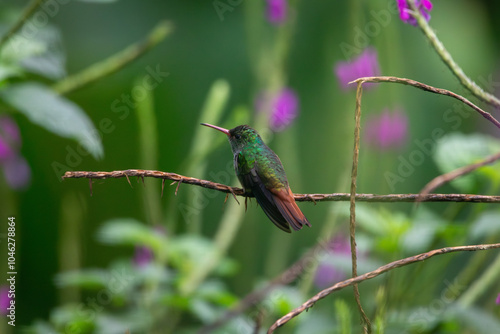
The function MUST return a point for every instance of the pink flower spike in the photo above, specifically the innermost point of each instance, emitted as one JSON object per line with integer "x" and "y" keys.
{"x": 284, "y": 109}
{"x": 277, "y": 11}
{"x": 427, "y": 4}
{"x": 4, "y": 299}
{"x": 387, "y": 131}
{"x": 424, "y": 6}
{"x": 365, "y": 65}
{"x": 17, "y": 172}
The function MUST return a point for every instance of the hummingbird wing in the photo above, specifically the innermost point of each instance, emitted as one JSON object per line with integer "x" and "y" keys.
{"x": 275, "y": 198}
{"x": 285, "y": 202}
{"x": 252, "y": 182}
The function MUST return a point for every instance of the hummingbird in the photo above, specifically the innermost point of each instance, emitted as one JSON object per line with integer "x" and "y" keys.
{"x": 262, "y": 175}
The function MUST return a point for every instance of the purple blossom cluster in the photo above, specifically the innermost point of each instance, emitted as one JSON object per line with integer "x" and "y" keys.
{"x": 365, "y": 65}
{"x": 327, "y": 273}
{"x": 277, "y": 11}
{"x": 387, "y": 130}
{"x": 282, "y": 107}
{"x": 384, "y": 131}
{"x": 4, "y": 299}
{"x": 15, "y": 168}
{"x": 424, "y": 6}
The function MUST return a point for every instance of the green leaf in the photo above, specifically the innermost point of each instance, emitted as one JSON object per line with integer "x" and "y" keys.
{"x": 458, "y": 150}
{"x": 9, "y": 71}
{"x": 204, "y": 310}
{"x": 479, "y": 320}
{"x": 55, "y": 113}
{"x": 422, "y": 232}
{"x": 89, "y": 279}
{"x": 283, "y": 299}
{"x": 49, "y": 62}
{"x": 189, "y": 251}
{"x": 128, "y": 231}
{"x": 343, "y": 316}
{"x": 215, "y": 292}
{"x": 487, "y": 224}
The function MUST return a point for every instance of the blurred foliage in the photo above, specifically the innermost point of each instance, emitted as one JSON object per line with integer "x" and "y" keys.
{"x": 80, "y": 266}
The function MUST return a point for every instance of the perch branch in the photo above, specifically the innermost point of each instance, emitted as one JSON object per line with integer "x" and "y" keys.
{"x": 449, "y": 61}
{"x": 450, "y": 176}
{"x": 372, "y": 274}
{"x": 431, "y": 89}
{"x": 352, "y": 217}
{"x": 298, "y": 197}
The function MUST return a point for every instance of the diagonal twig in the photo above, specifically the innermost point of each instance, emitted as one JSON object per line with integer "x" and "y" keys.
{"x": 115, "y": 62}
{"x": 450, "y": 176}
{"x": 372, "y": 274}
{"x": 390, "y": 198}
{"x": 27, "y": 13}
{"x": 449, "y": 61}
{"x": 286, "y": 277}
{"x": 431, "y": 89}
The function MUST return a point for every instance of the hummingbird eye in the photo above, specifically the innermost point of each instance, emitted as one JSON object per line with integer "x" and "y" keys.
{"x": 237, "y": 136}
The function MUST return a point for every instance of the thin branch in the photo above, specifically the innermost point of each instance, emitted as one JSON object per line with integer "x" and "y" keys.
{"x": 391, "y": 198}
{"x": 114, "y": 63}
{"x": 431, "y": 89}
{"x": 372, "y": 274}
{"x": 448, "y": 59}
{"x": 28, "y": 11}
{"x": 352, "y": 218}
{"x": 286, "y": 277}
{"x": 450, "y": 176}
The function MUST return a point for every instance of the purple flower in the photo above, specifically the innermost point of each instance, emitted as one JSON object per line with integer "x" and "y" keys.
{"x": 498, "y": 299}
{"x": 142, "y": 256}
{"x": 17, "y": 172}
{"x": 10, "y": 139}
{"x": 327, "y": 273}
{"x": 282, "y": 107}
{"x": 388, "y": 130}
{"x": 4, "y": 299}
{"x": 365, "y": 65}
{"x": 424, "y": 6}
{"x": 277, "y": 11}
{"x": 15, "y": 167}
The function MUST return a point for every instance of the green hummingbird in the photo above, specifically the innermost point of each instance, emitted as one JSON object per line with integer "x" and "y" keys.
{"x": 261, "y": 174}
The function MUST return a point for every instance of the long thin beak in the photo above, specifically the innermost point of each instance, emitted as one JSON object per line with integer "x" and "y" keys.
{"x": 226, "y": 131}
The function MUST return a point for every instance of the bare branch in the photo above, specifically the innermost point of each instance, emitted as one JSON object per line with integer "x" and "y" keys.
{"x": 352, "y": 217}
{"x": 298, "y": 197}
{"x": 434, "y": 90}
{"x": 450, "y": 176}
{"x": 372, "y": 274}
{"x": 286, "y": 277}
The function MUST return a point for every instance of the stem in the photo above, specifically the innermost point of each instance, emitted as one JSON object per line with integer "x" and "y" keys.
{"x": 448, "y": 59}
{"x": 352, "y": 220}
{"x": 223, "y": 239}
{"x": 114, "y": 63}
{"x": 28, "y": 11}
{"x": 478, "y": 288}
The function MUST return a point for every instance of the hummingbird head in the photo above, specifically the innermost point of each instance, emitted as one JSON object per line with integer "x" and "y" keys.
{"x": 240, "y": 136}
